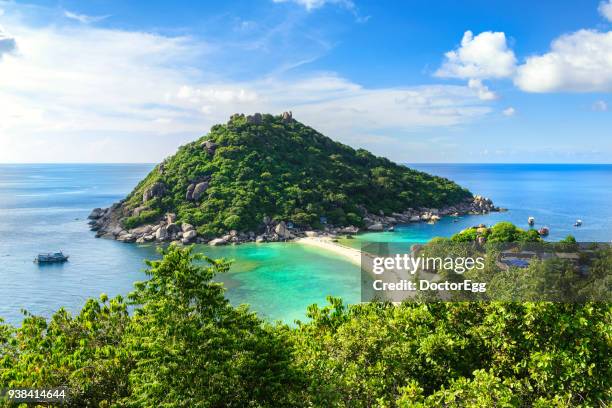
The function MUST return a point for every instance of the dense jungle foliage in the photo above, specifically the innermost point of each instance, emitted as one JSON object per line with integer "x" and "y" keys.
{"x": 284, "y": 170}
{"x": 184, "y": 345}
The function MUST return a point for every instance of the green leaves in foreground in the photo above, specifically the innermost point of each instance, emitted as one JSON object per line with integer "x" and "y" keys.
{"x": 184, "y": 345}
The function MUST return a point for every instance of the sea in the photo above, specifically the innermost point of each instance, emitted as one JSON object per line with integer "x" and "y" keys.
{"x": 44, "y": 208}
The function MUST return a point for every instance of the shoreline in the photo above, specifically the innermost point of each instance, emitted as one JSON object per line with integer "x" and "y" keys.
{"x": 353, "y": 255}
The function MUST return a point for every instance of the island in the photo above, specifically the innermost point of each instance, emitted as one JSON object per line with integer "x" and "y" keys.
{"x": 267, "y": 178}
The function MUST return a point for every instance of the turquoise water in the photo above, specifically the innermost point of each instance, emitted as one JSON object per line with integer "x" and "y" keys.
{"x": 44, "y": 208}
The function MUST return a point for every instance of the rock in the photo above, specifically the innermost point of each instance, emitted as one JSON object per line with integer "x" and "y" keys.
{"x": 96, "y": 213}
{"x": 425, "y": 217}
{"x": 349, "y": 230}
{"x": 126, "y": 238}
{"x": 287, "y": 117}
{"x": 173, "y": 228}
{"x": 434, "y": 218}
{"x": 282, "y": 230}
{"x": 209, "y": 146}
{"x": 149, "y": 238}
{"x": 189, "y": 193}
{"x": 186, "y": 227}
{"x": 158, "y": 189}
{"x": 233, "y": 233}
{"x": 161, "y": 234}
{"x": 185, "y": 241}
{"x": 170, "y": 218}
{"x": 199, "y": 190}
{"x": 217, "y": 242}
{"x": 266, "y": 220}
{"x": 142, "y": 230}
{"x": 376, "y": 227}
{"x": 136, "y": 211}
{"x": 140, "y": 240}
{"x": 260, "y": 238}
{"x": 415, "y": 218}
{"x": 311, "y": 234}
{"x": 254, "y": 119}
{"x": 189, "y": 235}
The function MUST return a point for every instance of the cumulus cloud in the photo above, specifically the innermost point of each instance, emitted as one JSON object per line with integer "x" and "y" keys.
{"x": 481, "y": 57}
{"x": 85, "y": 19}
{"x": 605, "y": 9}
{"x": 576, "y": 62}
{"x": 7, "y": 43}
{"x": 600, "y": 106}
{"x": 510, "y": 111}
{"x": 315, "y": 4}
{"x": 481, "y": 90}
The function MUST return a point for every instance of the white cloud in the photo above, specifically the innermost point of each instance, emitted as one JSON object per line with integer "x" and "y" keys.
{"x": 315, "y": 4}
{"x": 577, "y": 62}
{"x": 482, "y": 90}
{"x": 484, "y": 56}
{"x": 605, "y": 9}
{"x": 510, "y": 111}
{"x": 85, "y": 19}
{"x": 114, "y": 95}
{"x": 600, "y": 106}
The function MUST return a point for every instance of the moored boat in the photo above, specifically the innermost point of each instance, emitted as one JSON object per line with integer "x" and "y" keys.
{"x": 578, "y": 223}
{"x": 531, "y": 221}
{"x": 55, "y": 257}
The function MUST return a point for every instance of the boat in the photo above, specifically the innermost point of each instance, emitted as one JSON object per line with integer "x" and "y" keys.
{"x": 578, "y": 223}
{"x": 531, "y": 221}
{"x": 391, "y": 228}
{"x": 55, "y": 257}
{"x": 543, "y": 231}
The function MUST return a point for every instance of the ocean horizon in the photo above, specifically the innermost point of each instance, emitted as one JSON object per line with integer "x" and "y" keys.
{"x": 44, "y": 207}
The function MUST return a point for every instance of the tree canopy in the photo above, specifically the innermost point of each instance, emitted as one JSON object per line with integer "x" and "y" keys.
{"x": 184, "y": 345}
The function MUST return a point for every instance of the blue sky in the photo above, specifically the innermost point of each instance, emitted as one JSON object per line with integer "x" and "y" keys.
{"x": 469, "y": 81}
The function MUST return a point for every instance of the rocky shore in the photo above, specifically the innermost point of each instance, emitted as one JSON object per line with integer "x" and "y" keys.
{"x": 107, "y": 222}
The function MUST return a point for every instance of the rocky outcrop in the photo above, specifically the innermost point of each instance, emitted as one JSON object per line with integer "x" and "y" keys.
{"x": 108, "y": 224}
{"x": 209, "y": 146}
{"x": 158, "y": 189}
{"x": 199, "y": 190}
{"x": 255, "y": 119}
{"x": 287, "y": 117}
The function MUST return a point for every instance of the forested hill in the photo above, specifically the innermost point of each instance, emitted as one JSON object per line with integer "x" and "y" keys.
{"x": 274, "y": 166}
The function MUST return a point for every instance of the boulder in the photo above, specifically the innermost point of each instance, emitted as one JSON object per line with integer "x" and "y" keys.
{"x": 186, "y": 227}
{"x": 209, "y": 146}
{"x": 161, "y": 234}
{"x": 415, "y": 218}
{"x": 199, "y": 190}
{"x": 217, "y": 242}
{"x": 173, "y": 229}
{"x": 260, "y": 238}
{"x": 170, "y": 218}
{"x": 376, "y": 227}
{"x": 189, "y": 193}
{"x": 96, "y": 213}
{"x": 158, "y": 189}
{"x": 189, "y": 235}
{"x": 311, "y": 234}
{"x": 254, "y": 119}
{"x": 136, "y": 211}
{"x": 349, "y": 230}
{"x": 434, "y": 218}
{"x": 282, "y": 230}
{"x": 149, "y": 238}
{"x": 287, "y": 117}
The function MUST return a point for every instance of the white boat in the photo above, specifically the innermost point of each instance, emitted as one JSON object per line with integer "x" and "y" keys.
{"x": 531, "y": 221}
{"x": 578, "y": 223}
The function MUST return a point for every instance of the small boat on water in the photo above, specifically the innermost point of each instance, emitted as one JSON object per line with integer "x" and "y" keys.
{"x": 578, "y": 223}
{"x": 543, "y": 231}
{"x": 531, "y": 221}
{"x": 55, "y": 257}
